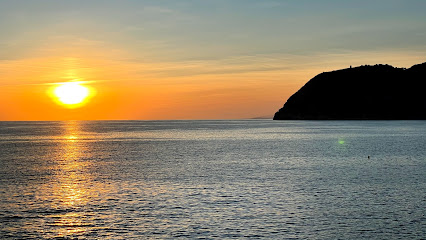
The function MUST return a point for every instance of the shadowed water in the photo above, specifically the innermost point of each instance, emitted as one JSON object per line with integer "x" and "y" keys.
{"x": 213, "y": 179}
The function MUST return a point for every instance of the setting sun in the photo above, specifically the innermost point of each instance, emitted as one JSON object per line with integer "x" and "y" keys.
{"x": 71, "y": 94}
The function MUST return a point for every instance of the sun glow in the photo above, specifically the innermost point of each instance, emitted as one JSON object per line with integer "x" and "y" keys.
{"x": 71, "y": 94}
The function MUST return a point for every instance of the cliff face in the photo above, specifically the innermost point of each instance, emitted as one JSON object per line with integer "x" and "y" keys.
{"x": 365, "y": 92}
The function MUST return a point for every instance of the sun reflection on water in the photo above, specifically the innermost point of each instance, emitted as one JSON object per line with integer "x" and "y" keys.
{"x": 73, "y": 187}
{"x": 71, "y": 138}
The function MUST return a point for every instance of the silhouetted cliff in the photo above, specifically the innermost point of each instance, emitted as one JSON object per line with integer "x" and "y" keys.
{"x": 365, "y": 92}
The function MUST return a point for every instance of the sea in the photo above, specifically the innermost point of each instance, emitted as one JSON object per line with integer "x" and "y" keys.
{"x": 213, "y": 179}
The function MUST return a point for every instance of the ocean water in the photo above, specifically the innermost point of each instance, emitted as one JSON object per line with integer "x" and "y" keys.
{"x": 254, "y": 179}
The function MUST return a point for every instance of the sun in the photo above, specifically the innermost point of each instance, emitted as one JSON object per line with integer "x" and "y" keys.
{"x": 71, "y": 94}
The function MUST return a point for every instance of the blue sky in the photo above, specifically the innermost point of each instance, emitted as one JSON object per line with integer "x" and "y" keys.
{"x": 179, "y": 30}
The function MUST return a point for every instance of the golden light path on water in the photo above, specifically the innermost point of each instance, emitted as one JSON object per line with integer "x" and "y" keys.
{"x": 80, "y": 198}
{"x": 74, "y": 187}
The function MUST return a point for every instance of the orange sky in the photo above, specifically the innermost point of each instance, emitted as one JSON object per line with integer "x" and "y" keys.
{"x": 183, "y": 61}
{"x": 159, "y": 90}
{"x": 121, "y": 95}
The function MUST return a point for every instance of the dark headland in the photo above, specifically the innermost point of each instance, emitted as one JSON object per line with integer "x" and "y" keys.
{"x": 379, "y": 92}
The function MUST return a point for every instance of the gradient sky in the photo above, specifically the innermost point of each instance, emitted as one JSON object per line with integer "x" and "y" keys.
{"x": 222, "y": 59}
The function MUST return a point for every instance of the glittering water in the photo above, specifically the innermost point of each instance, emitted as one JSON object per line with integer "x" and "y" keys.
{"x": 213, "y": 180}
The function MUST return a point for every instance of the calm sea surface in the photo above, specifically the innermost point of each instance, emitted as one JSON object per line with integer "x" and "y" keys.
{"x": 258, "y": 179}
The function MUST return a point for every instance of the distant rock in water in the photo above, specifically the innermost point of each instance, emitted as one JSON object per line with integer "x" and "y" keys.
{"x": 379, "y": 92}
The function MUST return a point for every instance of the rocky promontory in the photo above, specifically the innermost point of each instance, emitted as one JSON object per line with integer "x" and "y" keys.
{"x": 379, "y": 92}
